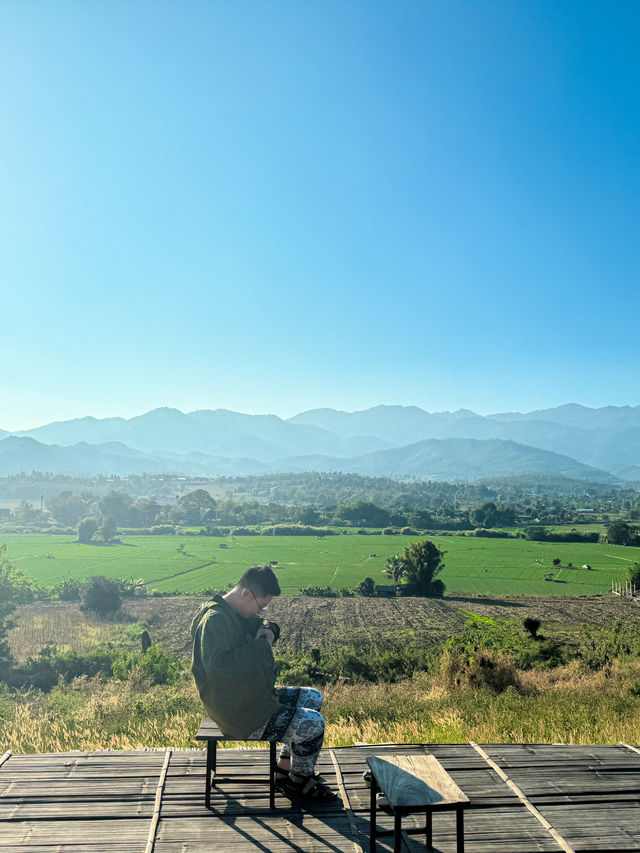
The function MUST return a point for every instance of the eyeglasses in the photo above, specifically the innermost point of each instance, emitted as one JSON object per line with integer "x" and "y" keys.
{"x": 261, "y": 607}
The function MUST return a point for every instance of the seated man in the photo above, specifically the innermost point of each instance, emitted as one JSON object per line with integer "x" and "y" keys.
{"x": 234, "y": 670}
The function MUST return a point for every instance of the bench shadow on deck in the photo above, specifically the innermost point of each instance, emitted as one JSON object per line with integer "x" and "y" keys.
{"x": 523, "y": 799}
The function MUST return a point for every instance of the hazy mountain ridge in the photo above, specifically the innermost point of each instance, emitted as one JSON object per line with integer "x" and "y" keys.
{"x": 374, "y": 441}
{"x": 429, "y": 459}
{"x": 608, "y": 437}
{"x": 217, "y": 432}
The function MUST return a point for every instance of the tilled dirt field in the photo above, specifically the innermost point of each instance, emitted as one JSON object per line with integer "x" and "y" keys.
{"x": 320, "y": 622}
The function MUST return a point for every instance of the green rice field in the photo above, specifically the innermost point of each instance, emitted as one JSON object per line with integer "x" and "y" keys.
{"x": 472, "y": 565}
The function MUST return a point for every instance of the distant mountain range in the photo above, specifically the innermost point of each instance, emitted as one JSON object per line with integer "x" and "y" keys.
{"x": 404, "y": 441}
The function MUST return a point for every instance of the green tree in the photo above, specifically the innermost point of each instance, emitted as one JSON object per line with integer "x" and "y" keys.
{"x": 101, "y": 596}
{"x": 395, "y": 568}
{"x": 193, "y": 508}
{"x": 485, "y": 514}
{"x": 621, "y": 533}
{"x": 117, "y": 505}
{"x": 308, "y": 515}
{"x": 532, "y": 626}
{"x": 422, "y": 561}
{"x": 66, "y": 508}
{"x": 25, "y": 513}
{"x": 420, "y": 518}
{"x": 108, "y": 530}
{"x": 536, "y": 532}
{"x": 145, "y": 511}
{"x": 363, "y": 514}
{"x": 86, "y": 530}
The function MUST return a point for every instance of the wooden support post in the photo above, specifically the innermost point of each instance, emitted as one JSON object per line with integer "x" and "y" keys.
{"x": 372, "y": 814}
{"x": 459, "y": 830}
{"x": 272, "y": 774}
{"x": 397, "y": 831}
{"x": 211, "y": 769}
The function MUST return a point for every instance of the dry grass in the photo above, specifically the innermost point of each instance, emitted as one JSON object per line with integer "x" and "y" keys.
{"x": 64, "y": 625}
{"x": 556, "y": 707}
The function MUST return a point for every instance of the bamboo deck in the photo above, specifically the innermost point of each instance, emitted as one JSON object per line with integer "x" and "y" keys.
{"x": 523, "y": 799}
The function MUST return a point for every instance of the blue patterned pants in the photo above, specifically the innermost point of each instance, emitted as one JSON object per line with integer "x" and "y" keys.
{"x": 298, "y": 726}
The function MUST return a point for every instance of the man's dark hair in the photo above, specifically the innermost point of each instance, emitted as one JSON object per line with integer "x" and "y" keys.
{"x": 261, "y": 580}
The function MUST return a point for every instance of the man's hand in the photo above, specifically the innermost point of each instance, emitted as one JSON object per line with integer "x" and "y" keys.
{"x": 267, "y": 633}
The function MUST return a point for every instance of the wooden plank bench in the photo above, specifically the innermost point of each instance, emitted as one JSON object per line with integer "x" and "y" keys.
{"x": 210, "y": 732}
{"x": 414, "y": 784}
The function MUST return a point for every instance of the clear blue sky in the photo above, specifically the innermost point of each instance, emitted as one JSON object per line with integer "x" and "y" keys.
{"x": 273, "y": 206}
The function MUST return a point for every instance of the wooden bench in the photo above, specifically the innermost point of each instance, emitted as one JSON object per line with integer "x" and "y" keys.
{"x": 210, "y": 732}
{"x": 414, "y": 784}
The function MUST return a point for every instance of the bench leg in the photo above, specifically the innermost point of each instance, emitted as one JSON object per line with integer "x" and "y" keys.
{"x": 211, "y": 770}
{"x": 397, "y": 832}
{"x": 429, "y": 829}
{"x": 272, "y": 774}
{"x": 459, "y": 830}
{"x": 372, "y": 815}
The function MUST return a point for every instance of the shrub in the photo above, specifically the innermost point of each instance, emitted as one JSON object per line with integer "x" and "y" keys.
{"x": 153, "y": 664}
{"x": 409, "y": 531}
{"x": 101, "y": 596}
{"x": 162, "y": 529}
{"x": 318, "y": 591}
{"x": 483, "y": 668}
{"x": 492, "y": 534}
{"x": 601, "y": 644}
{"x": 45, "y": 671}
{"x": 509, "y": 638}
{"x": 70, "y": 591}
{"x": 295, "y": 530}
{"x": 215, "y": 530}
{"x": 366, "y": 587}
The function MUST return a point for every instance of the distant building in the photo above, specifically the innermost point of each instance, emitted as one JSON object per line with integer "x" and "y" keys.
{"x": 5, "y": 513}
{"x": 386, "y": 591}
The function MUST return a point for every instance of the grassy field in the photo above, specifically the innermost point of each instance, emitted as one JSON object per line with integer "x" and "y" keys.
{"x": 472, "y": 565}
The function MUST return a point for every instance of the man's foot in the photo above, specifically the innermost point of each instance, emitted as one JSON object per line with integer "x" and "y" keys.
{"x": 309, "y": 788}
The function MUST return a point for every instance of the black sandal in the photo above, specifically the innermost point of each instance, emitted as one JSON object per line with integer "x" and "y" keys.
{"x": 311, "y": 789}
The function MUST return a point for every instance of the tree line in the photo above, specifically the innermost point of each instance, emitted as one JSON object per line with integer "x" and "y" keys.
{"x": 99, "y": 518}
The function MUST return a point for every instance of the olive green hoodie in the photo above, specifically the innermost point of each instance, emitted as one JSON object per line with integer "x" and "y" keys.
{"x": 233, "y": 669}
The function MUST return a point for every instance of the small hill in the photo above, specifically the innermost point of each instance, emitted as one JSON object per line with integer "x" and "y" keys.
{"x": 454, "y": 458}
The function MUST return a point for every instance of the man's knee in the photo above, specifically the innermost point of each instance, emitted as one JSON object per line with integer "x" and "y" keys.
{"x": 309, "y": 734}
{"x": 314, "y": 698}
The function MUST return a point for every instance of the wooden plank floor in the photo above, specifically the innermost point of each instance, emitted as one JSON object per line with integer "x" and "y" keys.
{"x": 105, "y": 801}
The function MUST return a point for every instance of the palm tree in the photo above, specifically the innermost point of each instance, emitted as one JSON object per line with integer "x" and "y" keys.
{"x": 395, "y": 568}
